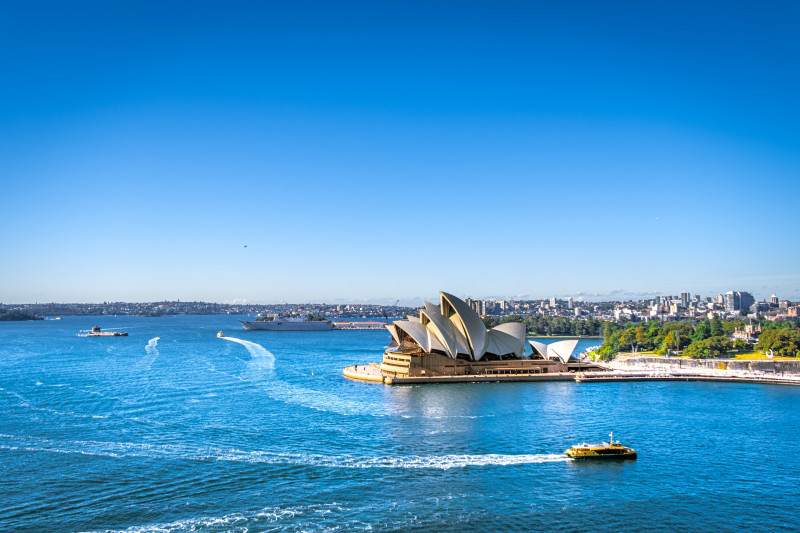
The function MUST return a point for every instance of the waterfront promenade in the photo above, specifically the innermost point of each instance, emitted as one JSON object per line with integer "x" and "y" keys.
{"x": 616, "y": 371}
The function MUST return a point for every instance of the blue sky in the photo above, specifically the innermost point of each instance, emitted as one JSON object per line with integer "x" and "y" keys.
{"x": 370, "y": 151}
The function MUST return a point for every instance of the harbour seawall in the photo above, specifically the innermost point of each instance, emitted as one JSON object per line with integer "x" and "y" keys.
{"x": 707, "y": 366}
{"x": 625, "y": 368}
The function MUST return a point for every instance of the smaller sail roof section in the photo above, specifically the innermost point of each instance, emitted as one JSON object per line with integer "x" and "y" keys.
{"x": 539, "y": 348}
{"x": 442, "y": 328}
{"x": 393, "y": 332}
{"x": 513, "y": 335}
{"x": 500, "y": 343}
{"x": 562, "y": 349}
{"x": 415, "y": 330}
{"x": 468, "y": 321}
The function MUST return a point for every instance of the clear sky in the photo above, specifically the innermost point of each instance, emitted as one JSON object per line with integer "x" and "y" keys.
{"x": 374, "y": 151}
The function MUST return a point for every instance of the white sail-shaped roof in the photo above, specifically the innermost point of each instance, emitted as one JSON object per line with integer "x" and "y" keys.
{"x": 499, "y": 343}
{"x": 455, "y": 329}
{"x": 468, "y": 321}
{"x": 433, "y": 342}
{"x": 393, "y": 332}
{"x": 516, "y": 333}
{"x": 539, "y": 348}
{"x": 416, "y": 331}
{"x": 562, "y": 349}
{"x": 444, "y": 330}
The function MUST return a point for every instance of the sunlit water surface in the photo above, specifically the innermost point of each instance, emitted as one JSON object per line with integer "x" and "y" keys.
{"x": 174, "y": 429}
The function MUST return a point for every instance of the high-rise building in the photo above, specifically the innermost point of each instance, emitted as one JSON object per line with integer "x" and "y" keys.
{"x": 553, "y": 302}
{"x": 731, "y": 302}
{"x": 478, "y": 306}
{"x": 773, "y": 300}
{"x": 569, "y": 303}
{"x": 746, "y": 300}
{"x": 737, "y": 301}
{"x": 685, "y": 299}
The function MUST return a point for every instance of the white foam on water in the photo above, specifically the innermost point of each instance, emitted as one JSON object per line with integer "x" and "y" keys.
{"x": 260, "y": 370}
{"x": 180, "y": 452}
{"x": 239, "y": 522}
{"x": 320, "y": 401}
{"x": 152, "y": 353}
{"x": 261, "y": 358}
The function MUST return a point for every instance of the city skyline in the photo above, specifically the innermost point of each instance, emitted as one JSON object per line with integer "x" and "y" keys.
{"x": 361, "y": 152}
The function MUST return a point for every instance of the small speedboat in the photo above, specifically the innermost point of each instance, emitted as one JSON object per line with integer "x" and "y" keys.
{"x": 604, "y": 450}
{"x": 220, "y": 334}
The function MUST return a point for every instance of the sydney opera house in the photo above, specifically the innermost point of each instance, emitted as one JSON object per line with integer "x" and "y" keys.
{"x": 450, "y": 339}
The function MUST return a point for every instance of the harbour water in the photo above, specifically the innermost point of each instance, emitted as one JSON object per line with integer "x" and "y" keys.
{"x": 172, "y": 429}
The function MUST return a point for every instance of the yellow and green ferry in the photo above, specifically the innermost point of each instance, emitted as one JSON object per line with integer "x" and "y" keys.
{"x": 604, "y": 450}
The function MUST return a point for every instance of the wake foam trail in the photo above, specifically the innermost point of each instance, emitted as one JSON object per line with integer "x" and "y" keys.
{"x": 151, "y": 346}
{"x": 321, "y": 401}
{"x": 260, "y": 370}
{"x": 119, "y": 450}
{"x": 261, "y": 357}
{"x": 152, "y": 353}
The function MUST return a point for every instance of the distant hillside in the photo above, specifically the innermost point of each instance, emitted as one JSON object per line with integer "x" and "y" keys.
{"x": 13, "y": 314}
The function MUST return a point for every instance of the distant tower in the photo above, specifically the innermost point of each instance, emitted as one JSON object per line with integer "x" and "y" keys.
{"x": 773, "y": 300}
{"x": 685, "y": 299}
{"x": 569, "y": 303}
{"x": 732, "y": 302}
{"x": 746, "y": 300}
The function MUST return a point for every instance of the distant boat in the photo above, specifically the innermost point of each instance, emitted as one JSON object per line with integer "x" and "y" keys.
{"x": 275, "y": 323}
{"x": 220, "y": 335}
{"x": 96, "y": 332}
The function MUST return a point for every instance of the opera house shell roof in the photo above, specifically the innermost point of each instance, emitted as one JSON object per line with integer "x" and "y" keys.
{"x": 560, "y": 351}
{"x": 454, "y": 329}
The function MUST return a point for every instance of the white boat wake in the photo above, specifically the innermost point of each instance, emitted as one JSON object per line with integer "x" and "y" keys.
{"x": 261, "y": 371}
{"x": 148, "y": 360}
{"x": 192, "y": 453}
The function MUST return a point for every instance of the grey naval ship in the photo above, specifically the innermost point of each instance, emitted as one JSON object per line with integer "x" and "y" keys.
{"x": 275, "y": 323}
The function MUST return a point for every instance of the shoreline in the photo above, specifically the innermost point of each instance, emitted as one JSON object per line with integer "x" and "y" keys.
{"x": 372, "y": 373}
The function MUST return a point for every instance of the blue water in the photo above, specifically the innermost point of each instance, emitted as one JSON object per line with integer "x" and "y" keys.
{"x": 172, "y": 429}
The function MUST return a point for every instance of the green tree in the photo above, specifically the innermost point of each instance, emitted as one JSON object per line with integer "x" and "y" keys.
{"x": 716, "y": 327}
{"x": 701, "y": 331}
{"x": 676, "y": 337}
{"x": 711, "y": 347}
{"x": 782, "y": 341}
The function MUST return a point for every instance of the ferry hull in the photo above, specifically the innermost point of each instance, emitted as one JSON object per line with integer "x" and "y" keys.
{"x": 601, "y": 454}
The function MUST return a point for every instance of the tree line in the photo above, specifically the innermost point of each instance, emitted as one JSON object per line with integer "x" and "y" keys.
{"x": 551, "y": 325}
{"x": 14, "y": 314}
{"x": 703, "y": 339}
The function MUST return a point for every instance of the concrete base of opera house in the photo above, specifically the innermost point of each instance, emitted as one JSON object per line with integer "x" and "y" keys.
{"x": 522, "y": 371}
{"x": 351, "y": 373}
{"x": 433, "y": 368}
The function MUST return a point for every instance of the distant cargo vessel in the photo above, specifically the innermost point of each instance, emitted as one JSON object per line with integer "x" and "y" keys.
{"x": 287, "y": 324}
